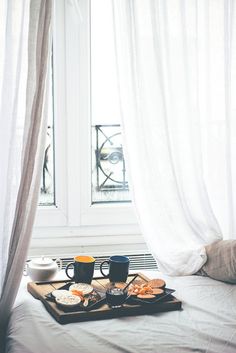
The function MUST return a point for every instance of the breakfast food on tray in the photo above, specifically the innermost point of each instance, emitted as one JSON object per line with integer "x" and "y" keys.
{"x": 68, "y": 301}
{"x": 78, "y": 293}
{"x": 139, "y": 282}
{"x": 84, "y": 288}
{"x": 120, "y": 285}
{"x": 148, "y": 290}
{"x": 85, "y": 297}
{"x": 157, "y": 291}
{"x": 146, "y": 296}
{"x": 157, "y": 283}
{"x": 60, "y": 293}
{"x": 83, "y": 294}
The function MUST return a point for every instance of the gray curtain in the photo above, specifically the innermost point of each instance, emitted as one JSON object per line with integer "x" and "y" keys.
{"x": 35, "y": 124}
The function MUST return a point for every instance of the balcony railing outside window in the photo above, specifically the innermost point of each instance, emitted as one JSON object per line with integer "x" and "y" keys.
{"x": 47, "y": 195}
{"x": 47, "y": 188}
{"x": 109, "y": 175}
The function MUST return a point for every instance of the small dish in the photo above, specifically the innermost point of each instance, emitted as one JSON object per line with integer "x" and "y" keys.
{"x": 57, "y": 293}
{"x": 82, "y": 287}
{"x": 95, "y": 299}
{"x": 135, "y": 300}
{"x": 68, "y": 301}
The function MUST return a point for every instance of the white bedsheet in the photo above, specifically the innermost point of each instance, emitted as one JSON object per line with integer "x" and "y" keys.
{"x": 206, "y": 324}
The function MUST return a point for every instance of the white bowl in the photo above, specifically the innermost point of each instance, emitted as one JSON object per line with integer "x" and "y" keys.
{"x": 68, "y": 301}
{"x": 82, "y": 287}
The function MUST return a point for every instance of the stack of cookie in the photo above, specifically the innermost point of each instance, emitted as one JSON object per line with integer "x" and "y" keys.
{"x": 148, "y": 290}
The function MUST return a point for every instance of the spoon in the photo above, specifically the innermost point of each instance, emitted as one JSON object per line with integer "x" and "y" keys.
{"x": 130, "y": 282}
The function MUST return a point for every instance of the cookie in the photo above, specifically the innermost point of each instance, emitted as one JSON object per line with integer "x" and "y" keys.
{"x": 146, "y": 296}
{"x": 157, "y": 291}
{"x": 132, "y": 293}
{"x": 139, "y": 282}
{"x": 157, "y": 283}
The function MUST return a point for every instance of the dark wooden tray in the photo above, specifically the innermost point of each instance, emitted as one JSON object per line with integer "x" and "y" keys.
{"x": 40, "y": 290}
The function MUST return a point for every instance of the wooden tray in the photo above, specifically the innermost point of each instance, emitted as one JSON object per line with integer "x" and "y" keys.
{"x": 39, "y": 290}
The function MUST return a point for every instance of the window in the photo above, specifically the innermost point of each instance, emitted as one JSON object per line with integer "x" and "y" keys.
{"x": 109, "y": 175}
{"x": 92, "y": 211}
{"x": 47, "y": 188}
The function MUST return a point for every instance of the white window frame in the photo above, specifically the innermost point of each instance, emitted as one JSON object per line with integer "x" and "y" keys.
{"x": 74, "y": 223}
{"x": 48, "y": 216}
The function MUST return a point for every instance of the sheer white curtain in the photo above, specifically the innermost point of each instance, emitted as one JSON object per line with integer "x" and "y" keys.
{"x": 177, "y": 76}
{"x": 24, "y": 42}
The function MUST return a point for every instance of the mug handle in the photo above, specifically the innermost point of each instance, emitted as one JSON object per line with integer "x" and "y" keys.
{"x": 104, "y": 275}
{"x": 67, "y": 268}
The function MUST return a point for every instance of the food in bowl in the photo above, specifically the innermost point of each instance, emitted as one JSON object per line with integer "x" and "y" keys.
{"x": 68, "y": 301}
{"x": 57, "y": 293}
{"x": 147, "y": 290}
{"x": 82, "y": 287}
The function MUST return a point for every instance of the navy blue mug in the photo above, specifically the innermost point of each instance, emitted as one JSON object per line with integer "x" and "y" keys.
{"x": 118, "y": 268}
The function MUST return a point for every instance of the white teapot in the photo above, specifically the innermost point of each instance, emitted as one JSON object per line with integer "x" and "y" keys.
{"x": 43, "y": 268}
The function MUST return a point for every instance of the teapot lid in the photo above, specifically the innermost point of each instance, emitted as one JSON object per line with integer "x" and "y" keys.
{"x": 42, "y": 261}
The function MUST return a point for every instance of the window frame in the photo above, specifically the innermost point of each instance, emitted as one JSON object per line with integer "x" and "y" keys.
{"x": 74, "y": 220}
{"x": 56, "y": 215}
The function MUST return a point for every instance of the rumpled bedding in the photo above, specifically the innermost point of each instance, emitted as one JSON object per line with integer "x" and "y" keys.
{"x": 206, "y": 323}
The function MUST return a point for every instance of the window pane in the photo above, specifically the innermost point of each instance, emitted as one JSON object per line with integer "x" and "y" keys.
{"x": 47, "y": 192}
{"x": 109, "y": 172}
{"x": 109, "y": 178}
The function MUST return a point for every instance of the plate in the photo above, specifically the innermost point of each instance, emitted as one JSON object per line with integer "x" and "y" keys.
{"x": 60, "y": 293}
{"x": 68, "y": 301}
{"x": 134, "y": 300}
{"x": 95, "y": 299}
{"x": 82, "y": 287}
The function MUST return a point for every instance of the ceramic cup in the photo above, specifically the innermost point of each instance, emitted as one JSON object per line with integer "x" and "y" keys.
{"x": 118, "y": 268}
{"x": 83, "y": 269}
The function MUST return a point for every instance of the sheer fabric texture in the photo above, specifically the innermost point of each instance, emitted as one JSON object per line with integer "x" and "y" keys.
{"x": 177, "y": 83}
{"x": 24, "y": 42}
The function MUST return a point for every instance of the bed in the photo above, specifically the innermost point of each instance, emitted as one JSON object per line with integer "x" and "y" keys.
{"x": 207, "y": 323}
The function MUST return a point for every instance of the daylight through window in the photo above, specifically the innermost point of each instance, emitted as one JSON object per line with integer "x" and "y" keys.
{"x": 109, "y": 174}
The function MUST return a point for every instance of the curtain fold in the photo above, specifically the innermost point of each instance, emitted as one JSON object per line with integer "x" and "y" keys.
{"x": 176, "y": 83}
{"x": 23, "y": 70}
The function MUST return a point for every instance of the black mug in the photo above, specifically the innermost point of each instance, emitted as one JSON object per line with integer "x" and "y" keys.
{"x": 83, "y": 269}
{"x": 118, "y": 268}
